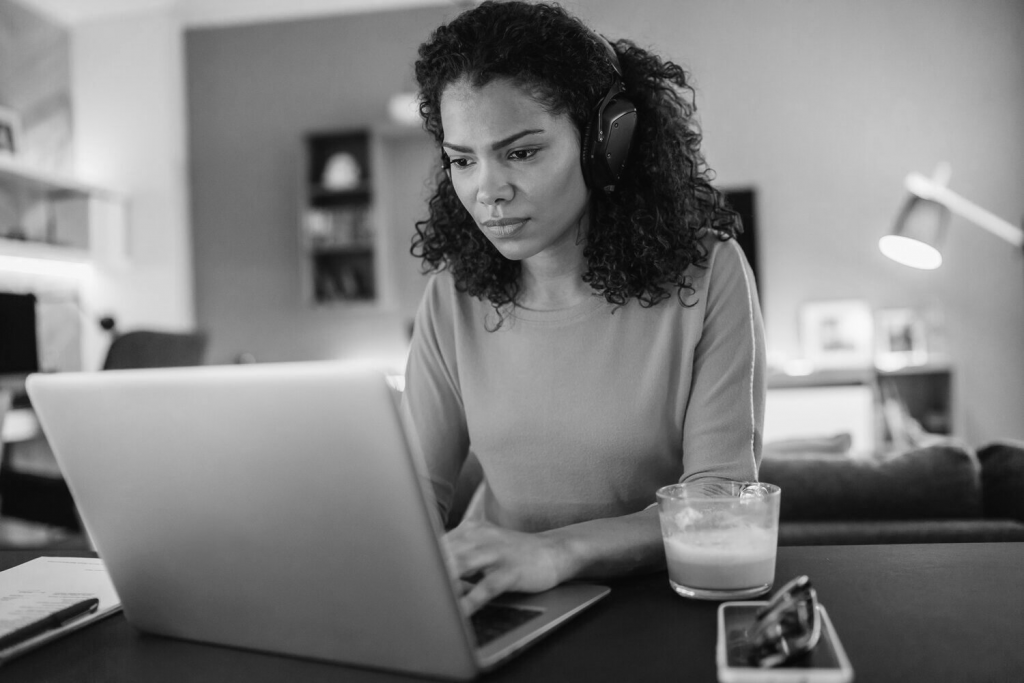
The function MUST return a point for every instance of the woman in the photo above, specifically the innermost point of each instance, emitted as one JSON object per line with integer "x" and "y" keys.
{"x": 591, "y": 332}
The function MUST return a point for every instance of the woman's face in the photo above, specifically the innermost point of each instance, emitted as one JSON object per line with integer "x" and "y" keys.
{"x": 516, "y": 169}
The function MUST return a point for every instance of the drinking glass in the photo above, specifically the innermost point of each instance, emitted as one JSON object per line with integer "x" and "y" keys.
{"x": 720, "y": 537}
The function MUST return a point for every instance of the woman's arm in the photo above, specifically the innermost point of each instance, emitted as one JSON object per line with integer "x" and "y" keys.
{"x": 506, "y": 560}
{"x": 725, "y": 414}
{"x": 432, "y": 412}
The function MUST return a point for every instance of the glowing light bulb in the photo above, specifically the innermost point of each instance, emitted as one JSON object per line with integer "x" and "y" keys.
{"x": 910, "y": 252}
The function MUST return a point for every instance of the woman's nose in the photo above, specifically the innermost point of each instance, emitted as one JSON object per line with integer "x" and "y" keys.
{"x": 494, "y": 185}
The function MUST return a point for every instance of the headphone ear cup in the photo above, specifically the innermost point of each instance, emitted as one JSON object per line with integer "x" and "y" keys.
{"x": 587, "y": 149}
{"x": 607, "y": 141}
{"x": 618, "y": 121}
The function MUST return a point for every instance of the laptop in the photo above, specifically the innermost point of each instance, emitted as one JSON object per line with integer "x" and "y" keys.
{"x": 277, "y": 508}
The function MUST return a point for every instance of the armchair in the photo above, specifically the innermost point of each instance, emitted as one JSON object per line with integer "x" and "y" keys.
{"x": 150, "y": 349}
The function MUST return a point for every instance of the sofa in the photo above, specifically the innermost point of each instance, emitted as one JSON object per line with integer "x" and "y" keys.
{"x": 942, "y": 493}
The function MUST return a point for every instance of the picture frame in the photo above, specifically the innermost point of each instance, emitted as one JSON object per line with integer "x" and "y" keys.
{"x": 837, "y": 334}
{"x": 10, "y": 132}
{"x": 901, "y": 338}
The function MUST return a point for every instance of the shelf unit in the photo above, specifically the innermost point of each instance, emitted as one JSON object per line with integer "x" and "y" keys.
{"x": 14, "y": 172}
{"x": 339, "y": 235}
{"x": 70, "y": 211}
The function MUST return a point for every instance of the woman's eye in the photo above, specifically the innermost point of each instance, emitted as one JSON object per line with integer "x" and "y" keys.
{"x": 522, "y": 154}
{"x": 459, "y": 162}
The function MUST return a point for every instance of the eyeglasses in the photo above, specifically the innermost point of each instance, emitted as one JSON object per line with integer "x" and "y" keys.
{"x": 787, "y": 627}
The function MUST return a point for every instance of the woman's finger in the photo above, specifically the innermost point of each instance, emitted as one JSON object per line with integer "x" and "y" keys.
{"x": 471, "y": 549}
{"x": 472, "y": 561}
{"x": 488, "y": 588}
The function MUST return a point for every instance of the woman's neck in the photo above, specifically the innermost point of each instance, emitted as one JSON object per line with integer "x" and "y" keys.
{"x": 553, "y": 279}
{"x": 552, "y": 282}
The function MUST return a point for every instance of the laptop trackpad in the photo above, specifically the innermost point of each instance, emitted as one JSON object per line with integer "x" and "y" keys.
{"x": 531, "y": 616}
{"x": 492, "y": 621}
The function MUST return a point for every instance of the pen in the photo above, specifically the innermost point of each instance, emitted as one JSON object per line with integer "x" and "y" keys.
{"x": 48, "y": 623}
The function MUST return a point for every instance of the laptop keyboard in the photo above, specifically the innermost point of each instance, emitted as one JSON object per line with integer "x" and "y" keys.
{"x": 491, "y": 621}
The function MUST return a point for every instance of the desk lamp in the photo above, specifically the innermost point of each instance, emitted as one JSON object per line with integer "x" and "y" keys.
{"x": 921, "y": 225}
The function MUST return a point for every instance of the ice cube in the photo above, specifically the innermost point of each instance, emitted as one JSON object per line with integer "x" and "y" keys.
{"x": 686, "y": 517}
{"x": 753, "y": 493}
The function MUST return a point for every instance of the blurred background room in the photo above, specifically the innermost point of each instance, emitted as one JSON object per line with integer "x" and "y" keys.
{"x": 246, "y": 171}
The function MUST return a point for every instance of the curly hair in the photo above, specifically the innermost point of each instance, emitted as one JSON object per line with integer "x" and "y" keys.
{"x": 643, "y": 236}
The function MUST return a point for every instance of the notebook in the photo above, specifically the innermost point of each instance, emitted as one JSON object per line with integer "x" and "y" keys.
{"x": 40, "y": 587}
{"x": 273, "y": 507}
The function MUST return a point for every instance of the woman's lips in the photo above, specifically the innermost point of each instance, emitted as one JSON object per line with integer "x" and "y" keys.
{"x": 504, "y": 227}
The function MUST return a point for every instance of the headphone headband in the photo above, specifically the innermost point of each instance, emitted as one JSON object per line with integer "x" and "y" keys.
{"x": 609, "y": 49}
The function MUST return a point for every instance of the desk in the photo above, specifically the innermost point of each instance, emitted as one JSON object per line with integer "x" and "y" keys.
{"x": 943, "y": 612}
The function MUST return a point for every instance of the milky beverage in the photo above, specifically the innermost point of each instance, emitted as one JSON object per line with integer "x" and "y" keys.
{"x": 720, "y": 537}
{"x": 728, "y": 558}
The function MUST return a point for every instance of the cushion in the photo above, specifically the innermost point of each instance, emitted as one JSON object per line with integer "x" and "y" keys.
{"x": 890, "y": 531}
{"x": 832, "y": 444}
{"x": 1002, "y": 479}
{"x": 937, "y": 482}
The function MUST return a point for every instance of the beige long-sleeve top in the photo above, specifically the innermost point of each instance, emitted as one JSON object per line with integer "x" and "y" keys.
{"x": 584, "y": 413}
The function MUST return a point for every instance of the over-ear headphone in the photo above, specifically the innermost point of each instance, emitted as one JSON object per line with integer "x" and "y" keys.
{"x": 609, "y": 133}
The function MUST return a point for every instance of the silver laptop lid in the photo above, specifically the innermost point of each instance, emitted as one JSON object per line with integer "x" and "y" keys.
{"x": 271, "y": 507}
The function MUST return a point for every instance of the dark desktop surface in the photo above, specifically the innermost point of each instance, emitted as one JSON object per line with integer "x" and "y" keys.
{"x": 929, "y": 612}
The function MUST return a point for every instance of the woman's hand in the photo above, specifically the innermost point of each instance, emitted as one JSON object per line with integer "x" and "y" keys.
{"x": 492, "y": 560}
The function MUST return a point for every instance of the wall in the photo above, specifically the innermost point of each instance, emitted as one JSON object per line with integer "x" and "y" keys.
{"x": 823, "y": 106}
{"x": 253, "y": 92}
{"x": 129, "y": 99}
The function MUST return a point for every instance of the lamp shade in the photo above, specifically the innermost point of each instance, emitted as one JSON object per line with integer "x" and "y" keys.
{"x": 917, "y": 237}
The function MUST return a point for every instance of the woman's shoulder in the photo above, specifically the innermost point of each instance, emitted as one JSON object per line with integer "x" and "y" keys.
{"x": 439, "y": 294}
{"x": 718, "y": 243}
{"x": 440, "y": 283}
{"x": 725, "y": 258}
{"x": 443, "y": 300}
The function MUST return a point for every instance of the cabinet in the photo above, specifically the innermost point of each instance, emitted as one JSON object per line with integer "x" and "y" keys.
{"x": 878, "y": 408}
{"x": 338, "y": 226}
{"x": 924, "y": 393}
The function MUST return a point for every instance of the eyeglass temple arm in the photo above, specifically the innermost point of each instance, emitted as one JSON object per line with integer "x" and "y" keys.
{"x": 936, "y": 191}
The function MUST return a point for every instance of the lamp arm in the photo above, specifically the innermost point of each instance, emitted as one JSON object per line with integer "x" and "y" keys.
{"x": 925, "y": 188}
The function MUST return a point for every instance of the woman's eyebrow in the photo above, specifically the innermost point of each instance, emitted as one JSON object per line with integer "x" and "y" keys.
{"x": 504, "y": 142}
